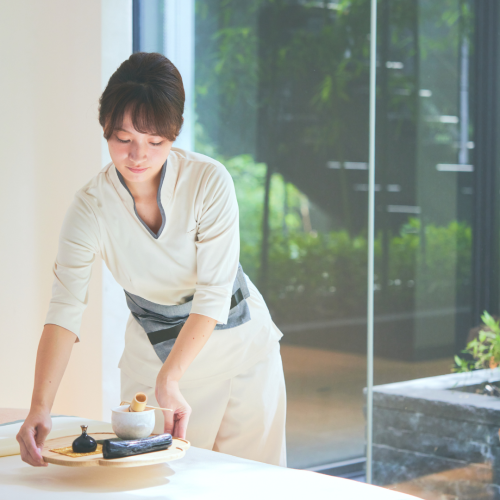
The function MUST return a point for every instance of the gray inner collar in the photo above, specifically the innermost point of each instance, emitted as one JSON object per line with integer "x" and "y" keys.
{"x": 158, "y": 199}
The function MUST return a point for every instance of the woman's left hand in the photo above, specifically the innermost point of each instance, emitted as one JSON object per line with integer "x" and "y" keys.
{"x": 169, "y": 395}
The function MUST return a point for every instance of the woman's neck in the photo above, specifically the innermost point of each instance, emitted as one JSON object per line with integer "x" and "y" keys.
{"x": 147, "y": 190}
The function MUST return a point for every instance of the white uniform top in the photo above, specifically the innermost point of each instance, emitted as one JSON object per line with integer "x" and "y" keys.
{"x": 195, "y": 253}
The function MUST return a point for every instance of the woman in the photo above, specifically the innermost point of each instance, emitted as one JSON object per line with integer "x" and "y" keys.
{"x": 199, "y": 339}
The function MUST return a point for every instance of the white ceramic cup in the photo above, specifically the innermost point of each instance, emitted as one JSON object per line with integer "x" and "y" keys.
{"x": 132, "y": 425}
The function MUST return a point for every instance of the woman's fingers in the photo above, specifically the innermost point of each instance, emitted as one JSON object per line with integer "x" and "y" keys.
{"x": 180, "y": 427}
{"x": 176, "y": 422}
{"x": 30, "y": 453}
{"x": 35, "y": 451}
{"x": 42, "y": 431}
{"x": 169, "y": 422}
{"x": 31, "y": 437}
{"x": 169, "y": 396}
{"x": 25, "y": 456}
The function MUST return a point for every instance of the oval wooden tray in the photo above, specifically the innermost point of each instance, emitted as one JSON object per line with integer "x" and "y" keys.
{"x": 176, "y": 451}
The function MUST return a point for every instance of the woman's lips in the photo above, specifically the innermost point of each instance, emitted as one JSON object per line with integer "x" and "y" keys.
{"x": 137, "y": 170}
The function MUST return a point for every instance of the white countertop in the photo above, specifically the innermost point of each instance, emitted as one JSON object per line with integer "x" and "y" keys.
{"x": 200, "y": 474}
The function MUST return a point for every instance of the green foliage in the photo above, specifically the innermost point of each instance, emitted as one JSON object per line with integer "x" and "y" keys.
{"x": 237, "y": 74}
{"x": 324, "y": 273}
{"x": 462, "y": 365}
{"x": 484, "y": 350}
{"x": 243, "y": 73}
{"x": 317, "y": 275}
{"x": 444, "y": 261}
{"x": 248, "y": 177}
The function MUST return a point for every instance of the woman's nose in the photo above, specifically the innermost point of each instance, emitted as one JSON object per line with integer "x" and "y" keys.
{"x": 138, "y": 152}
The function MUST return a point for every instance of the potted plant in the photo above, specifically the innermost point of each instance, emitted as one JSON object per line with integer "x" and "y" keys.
{"x": 483, "y": 351}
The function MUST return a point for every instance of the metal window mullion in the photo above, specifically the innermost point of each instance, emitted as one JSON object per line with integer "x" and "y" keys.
{"x": 371, "y": 241}
{"x": 136, "y": 26}
{"x": 485, "y": 269}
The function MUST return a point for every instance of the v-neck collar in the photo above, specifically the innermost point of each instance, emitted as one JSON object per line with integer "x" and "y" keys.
{"x": 158, "y": 199}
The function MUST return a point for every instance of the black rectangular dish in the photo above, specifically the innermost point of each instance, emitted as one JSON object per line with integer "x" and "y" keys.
{"x": 119, "y": 449}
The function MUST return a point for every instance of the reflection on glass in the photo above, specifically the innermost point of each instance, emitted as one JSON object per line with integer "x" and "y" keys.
{"x": 281, "y": 90}
{"x": 425, "y": 443}
{"x": 281, "y": 98}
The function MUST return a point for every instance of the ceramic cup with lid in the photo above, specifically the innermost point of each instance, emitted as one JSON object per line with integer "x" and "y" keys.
{"x": 132, "y": 425}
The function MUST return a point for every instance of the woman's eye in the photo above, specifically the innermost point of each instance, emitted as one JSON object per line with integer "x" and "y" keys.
{"x": 120, "y": 140}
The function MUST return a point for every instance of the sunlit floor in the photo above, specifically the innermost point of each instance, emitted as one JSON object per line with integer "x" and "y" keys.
{"x": 325, "y": 420}
{"x": 468, "y": 483}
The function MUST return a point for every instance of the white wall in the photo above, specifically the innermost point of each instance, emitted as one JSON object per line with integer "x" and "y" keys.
{"x": 51, "y": 143}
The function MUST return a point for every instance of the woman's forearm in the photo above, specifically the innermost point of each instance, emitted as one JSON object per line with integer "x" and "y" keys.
{"x": 193, "y": 336}
{"x": 52, "y": 358}
{"x": 53, "y": 354}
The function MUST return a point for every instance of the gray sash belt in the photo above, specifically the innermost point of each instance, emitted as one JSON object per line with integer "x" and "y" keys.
{"x": 163, "y": 324}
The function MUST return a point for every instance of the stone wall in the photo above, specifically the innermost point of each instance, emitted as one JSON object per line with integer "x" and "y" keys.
{"x": 432, "y": 435}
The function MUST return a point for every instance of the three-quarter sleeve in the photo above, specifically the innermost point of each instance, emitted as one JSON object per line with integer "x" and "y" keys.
{"x": 218, "y": 246}
{"x": 78, "y": 246}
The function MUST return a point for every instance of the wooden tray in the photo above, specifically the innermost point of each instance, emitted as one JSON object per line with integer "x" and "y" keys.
{"x": 176, "y": 451}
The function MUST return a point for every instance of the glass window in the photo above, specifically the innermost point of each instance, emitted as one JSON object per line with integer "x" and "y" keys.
{"x": 425, "y": 442}
{"x": 278, "y": 91}
{"x": 281, "y": 98}
{"x": 424, "y": 180}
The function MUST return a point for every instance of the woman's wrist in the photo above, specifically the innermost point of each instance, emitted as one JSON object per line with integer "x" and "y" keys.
{"x": 40, "y": 408}
{"x": 168, "y": 377}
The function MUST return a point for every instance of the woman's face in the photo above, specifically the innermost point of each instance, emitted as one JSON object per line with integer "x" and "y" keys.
{"x": 138, "y": 157}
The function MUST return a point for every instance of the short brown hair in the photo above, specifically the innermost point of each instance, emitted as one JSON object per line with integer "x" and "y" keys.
{"x": 150, "y": 86}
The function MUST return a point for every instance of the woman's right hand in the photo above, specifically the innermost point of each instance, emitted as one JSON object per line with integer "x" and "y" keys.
{"x": 52, "y": 358}
{"x": 168, "y": 395}
{"x": 32, "y": 435}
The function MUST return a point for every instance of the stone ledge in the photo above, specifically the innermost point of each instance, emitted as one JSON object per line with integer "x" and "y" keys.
{"x": 437, "y": 396}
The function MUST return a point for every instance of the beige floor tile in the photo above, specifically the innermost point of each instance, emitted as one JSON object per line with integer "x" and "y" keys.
{"x": 325, "y": 420}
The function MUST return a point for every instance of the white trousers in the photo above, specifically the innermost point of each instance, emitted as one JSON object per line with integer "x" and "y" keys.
{"x": 243, "y": 416}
